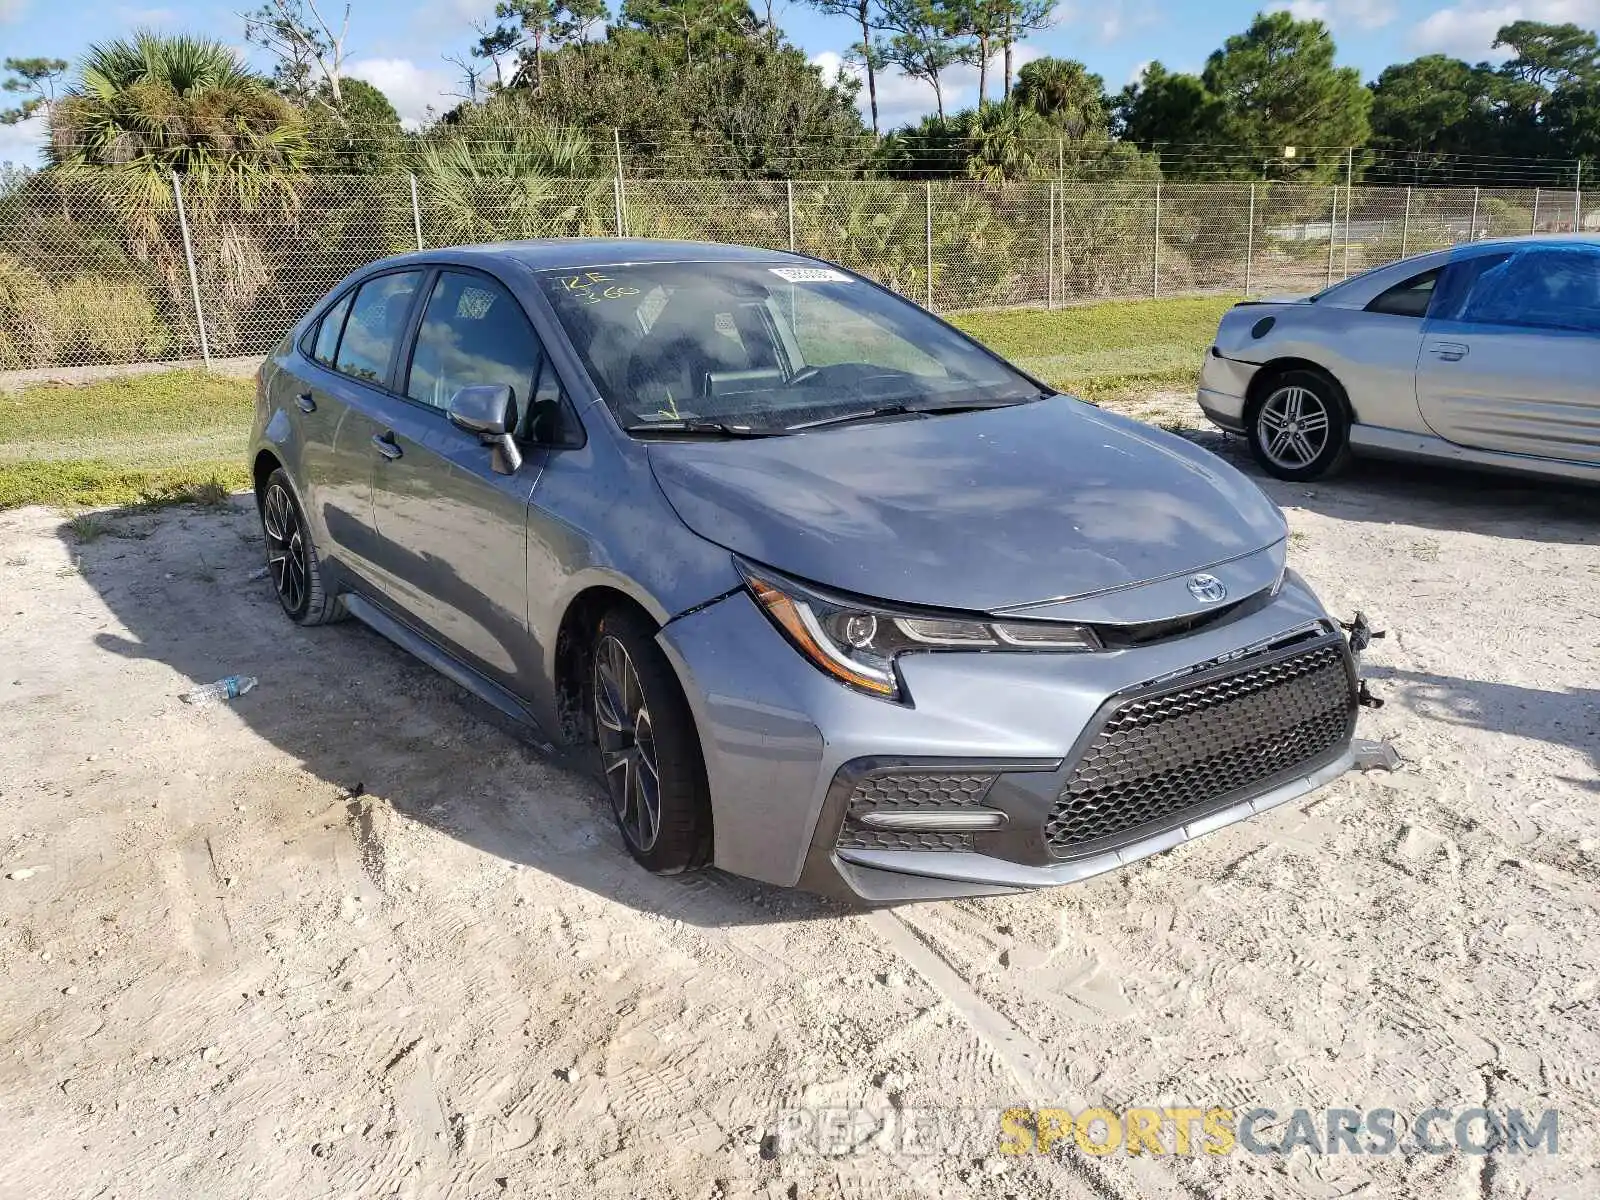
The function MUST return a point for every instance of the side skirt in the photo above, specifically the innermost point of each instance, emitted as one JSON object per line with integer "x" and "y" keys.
{"x": 407, "y": 639}
{"x": 1379, "y": 442}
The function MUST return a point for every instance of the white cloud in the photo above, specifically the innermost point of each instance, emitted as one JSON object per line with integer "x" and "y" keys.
{"x": 413, "y": 90}
{"x": 23, "y": 143}
{"x": 11, "y": 10}
{"x": 1467, "y": 30}
{"x": 1137, "y": 74}
{"x": 1340, "y": 14}
{"x": 902, "y": 99}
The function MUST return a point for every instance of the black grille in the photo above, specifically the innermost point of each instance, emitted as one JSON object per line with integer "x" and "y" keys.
{"x": 902, "y": 839}
{"x": 900, "y": 793}
{"x": 1160, "y": 757}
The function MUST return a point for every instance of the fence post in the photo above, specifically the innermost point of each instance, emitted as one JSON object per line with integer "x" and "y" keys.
{"x": 1333, "y": 227}
{"x": 616, "y": 190}
{"x": 929, "y": 227}
{"x": 1250, "y": 240}
{"x": 194, "y": 276}
{"x": 1534, "y": 226}
{"x": 788, "y": 185}
{"x": 1577, "y": 199}
{"x": 1405, "y": 226}
{"x": 1155, "y": 247}
{"x": 1050, "y": 253}
{"x": 416, "y": 212}
{"x": 1472, "y": 222}
{"x": 1349, "y": 205}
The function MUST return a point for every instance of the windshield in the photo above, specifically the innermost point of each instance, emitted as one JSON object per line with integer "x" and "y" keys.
{"x": 764, "y": 346}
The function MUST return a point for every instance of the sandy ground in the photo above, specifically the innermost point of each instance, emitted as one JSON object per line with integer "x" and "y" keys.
{"x": 347, "y": 937}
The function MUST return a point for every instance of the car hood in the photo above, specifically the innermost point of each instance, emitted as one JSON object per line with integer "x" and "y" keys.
{"x": 979, "y": 511}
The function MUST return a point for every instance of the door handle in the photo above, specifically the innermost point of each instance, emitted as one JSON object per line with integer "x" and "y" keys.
{"x": 1449, "y": 351}
{"x": 305, "y": 403}
{"x": 386, "y": 444}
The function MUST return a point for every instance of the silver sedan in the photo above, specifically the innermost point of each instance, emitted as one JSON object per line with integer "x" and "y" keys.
{"x": 1484, "y": 355}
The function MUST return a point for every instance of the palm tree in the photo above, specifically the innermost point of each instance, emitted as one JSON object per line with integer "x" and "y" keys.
{"x": 151, "y": 108}
{"x": 154, "y": 105}
{"x": 498, "y": 173}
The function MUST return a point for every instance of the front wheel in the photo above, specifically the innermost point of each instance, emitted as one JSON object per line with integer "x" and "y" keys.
{"x": 650, "y": 753}
{"x": 1299, "y": 430}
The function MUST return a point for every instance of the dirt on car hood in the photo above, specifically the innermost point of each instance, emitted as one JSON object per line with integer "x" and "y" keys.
{"x": 977, "y": 511}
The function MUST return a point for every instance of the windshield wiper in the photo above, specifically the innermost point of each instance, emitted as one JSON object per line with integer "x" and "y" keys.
{"x": 905, "y": 410}
{"x": 693, "y": 429}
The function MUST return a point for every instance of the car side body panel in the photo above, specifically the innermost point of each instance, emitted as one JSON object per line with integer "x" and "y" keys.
{"x": 1515, "y": 400}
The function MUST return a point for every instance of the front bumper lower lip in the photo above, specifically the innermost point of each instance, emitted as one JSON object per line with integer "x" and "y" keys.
{"x": 982, "y": 870}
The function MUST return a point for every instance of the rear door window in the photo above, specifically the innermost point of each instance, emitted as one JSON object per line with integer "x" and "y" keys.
{"x": 375, "y": 325}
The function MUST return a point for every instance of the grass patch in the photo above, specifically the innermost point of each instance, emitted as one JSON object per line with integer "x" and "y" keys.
{"x": 179, "y": 437}
{"x": 95, "y": 483}
{"x": 86, "y": 527}
{"x": 1117, "y": 350}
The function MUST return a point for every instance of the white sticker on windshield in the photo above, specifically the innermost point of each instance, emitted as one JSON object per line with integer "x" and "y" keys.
{"x": 809, "y": 275}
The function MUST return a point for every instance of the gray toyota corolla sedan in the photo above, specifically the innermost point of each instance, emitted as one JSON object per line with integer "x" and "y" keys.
{"x": 840, "y": 598}
{"x": 1484, "y": 355}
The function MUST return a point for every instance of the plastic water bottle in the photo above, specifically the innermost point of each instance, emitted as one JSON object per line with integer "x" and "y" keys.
{"x": 222, "y": 689}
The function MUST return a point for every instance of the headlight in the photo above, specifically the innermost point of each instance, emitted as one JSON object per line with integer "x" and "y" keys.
{"x": 857, "y": 645}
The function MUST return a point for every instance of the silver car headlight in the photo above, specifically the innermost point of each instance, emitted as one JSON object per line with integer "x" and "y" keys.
{"x": 858, "y": 644}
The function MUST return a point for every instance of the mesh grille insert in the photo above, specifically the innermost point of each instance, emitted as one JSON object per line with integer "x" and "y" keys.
{"x": 1161, "y": 756}
{"x": 900, "y": 793}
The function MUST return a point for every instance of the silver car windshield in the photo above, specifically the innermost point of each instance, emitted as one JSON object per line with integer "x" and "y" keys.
{"x": 765, "y": 347}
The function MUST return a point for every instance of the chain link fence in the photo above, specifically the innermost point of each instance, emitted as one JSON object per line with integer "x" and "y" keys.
{"x": 113, "y": 270}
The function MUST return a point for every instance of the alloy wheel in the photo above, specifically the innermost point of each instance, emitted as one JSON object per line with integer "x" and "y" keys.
{"x": 287, "y": 560}
{"x": 627, "y": 744}
{"x": 1294, "y": 427}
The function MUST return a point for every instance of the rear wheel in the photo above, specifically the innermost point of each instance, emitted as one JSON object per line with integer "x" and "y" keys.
{"x": 650, "y": 753}
{"x": 1299, "y": 430}
{"x": 292, "y": 562}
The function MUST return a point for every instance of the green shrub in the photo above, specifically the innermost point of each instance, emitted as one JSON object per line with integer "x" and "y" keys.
{"x": 104, "y": 320}
{"x": 27, "y": 334}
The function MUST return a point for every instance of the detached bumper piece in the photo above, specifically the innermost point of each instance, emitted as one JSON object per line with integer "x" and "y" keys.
{"x": 1173, "y": 753}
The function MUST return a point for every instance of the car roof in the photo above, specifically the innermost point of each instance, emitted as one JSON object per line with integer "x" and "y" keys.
{"x": 546, "y": 254}
{"x": 1536, "y": 239}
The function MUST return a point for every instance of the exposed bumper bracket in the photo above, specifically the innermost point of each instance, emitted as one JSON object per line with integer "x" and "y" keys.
{"x": 1370, "y": 755}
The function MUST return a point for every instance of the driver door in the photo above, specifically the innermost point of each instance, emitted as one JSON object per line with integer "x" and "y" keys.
{"x": 1512, "y": 360}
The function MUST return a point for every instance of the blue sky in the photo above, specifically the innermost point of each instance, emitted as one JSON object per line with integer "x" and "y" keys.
{"x": 397, "y": 44}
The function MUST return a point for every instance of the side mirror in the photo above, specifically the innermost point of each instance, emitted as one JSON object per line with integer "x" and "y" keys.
{"x": 490, "y": 411}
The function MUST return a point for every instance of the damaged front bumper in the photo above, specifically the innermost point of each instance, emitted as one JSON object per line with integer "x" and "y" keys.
{"x": 1010, "y": 772}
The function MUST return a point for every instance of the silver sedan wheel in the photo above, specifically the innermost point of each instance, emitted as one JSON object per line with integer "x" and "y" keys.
{"x": 286, "y": 549}
{"x": 627, "y": 745}
{"x": 1294, "y": 426}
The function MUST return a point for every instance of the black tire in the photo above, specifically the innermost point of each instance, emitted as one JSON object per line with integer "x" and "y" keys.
{"x": 1285, "y": 421}
{"x": 292, "y": 562}
{"x": 642, "y": 728}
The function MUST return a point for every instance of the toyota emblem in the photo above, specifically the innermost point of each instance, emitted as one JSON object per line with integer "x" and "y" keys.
{"x": 1207, "y": 588}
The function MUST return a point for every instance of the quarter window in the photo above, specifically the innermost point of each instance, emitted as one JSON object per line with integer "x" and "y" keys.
{"x": 473, "y": 332}
{"x": 376, "y": 322}
{"x": 328, "y": 330}
{"x": 1409, "y": 298}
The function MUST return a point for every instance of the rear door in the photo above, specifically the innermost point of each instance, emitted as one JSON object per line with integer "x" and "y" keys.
{"x": 452, "y": 532}
{"x": 1511, "y": 358}
{"x": 312, "y": 393}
